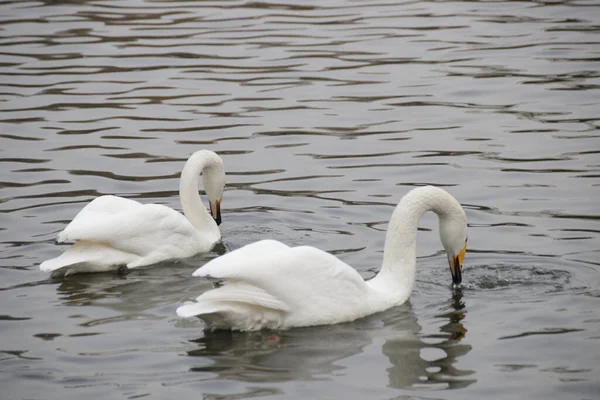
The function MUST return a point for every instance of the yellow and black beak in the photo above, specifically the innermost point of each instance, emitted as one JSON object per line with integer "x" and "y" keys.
{"x": 215, "y": 211}
{"x": 456, "y": 266}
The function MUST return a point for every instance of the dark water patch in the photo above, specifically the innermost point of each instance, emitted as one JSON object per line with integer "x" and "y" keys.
{"x": 573, "y": 216}
{"x": 84, "y": 334}
{"x": 516, "y": 367}
{"x": 16, "y": 137}
{"x": 84, "y": 132}
{"x": 47, "y": 336}
{"x": 198, "y": 128}
{"x": 19, "y": 354}
{"x": 21, "y": 184}
{"x": 123, "y": 318}
{"x": 26, "y": 285}
{"x": 546, "y": 331}
{"x": 83, "y": 147}
{"x": 144, "y": 156}
{"x": 388, "y": 165}
{"x": 11, "y": 318}
{"x": 114, "y": 176}
{"x": 24, "y": 160}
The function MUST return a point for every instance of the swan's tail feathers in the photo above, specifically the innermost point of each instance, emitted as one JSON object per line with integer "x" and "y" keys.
{"x": 190, "y": 309}
{"x": 83, "y": 257}
{"x": 58, "y": 266}
{"x": 63, "y": 237}
{"x": 76, "y": 230}
{"x": 79, "y": 231}
{"x": 232, "y": 315}
{"x": 60, "y": 270}
{"x": 237, "y": 306}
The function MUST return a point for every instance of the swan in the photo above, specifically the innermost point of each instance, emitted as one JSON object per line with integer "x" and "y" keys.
{"x": 273, "y": 286}
{"x": 111, "y": 232}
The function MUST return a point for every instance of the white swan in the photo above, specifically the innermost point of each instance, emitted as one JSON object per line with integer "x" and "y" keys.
{"x": 271, "y": 285}
{"x": 112, "y": 231}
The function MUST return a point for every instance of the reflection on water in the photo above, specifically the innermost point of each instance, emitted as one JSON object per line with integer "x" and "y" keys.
{"x": 136, "y": 290}
{"x": 290, "y": 355}
{"x": 313, "y": 353}
{"x": 440, "y": 370}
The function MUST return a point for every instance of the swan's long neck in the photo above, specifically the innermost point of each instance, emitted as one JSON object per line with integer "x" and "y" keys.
{"x": 193, "y": 208}
{"x": 397, "y": 275}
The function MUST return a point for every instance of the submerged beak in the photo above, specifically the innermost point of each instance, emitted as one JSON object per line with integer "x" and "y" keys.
{"x": 456, "y": 266}
{"x": 215, "y": 211}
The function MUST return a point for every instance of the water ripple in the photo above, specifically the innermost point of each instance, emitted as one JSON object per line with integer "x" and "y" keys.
{"x": 325, "y": 115}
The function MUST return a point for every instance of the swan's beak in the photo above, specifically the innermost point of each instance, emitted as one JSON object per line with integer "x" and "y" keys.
{"x": 456, "y": 266}
{"x": 215, "y": 211}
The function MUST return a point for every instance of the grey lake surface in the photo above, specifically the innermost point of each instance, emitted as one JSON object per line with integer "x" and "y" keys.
{"x": 325, "y": 113}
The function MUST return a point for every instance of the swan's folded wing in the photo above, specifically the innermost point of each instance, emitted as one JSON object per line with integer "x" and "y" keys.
{"x": 301, "y": 277}
{"x": 86, "y": 256}
{"x": 134, "y": 229}
{"x": 227, "y": 296}
{"x": 96, "y": 211}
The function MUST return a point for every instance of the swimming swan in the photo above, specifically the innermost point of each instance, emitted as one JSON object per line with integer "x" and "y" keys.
{"x": 270, "y": 285}
{"x": 112, "y": 231}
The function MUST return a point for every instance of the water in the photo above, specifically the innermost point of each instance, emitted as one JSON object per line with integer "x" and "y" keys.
{"x": 325, "y": 115}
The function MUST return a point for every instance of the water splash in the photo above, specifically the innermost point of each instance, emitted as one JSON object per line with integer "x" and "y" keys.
{"x": 504, "y": 276}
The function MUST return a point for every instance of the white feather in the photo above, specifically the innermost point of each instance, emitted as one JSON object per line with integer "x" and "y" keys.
{"x": 271, "y": 285}
{"x": 113, "y": 231}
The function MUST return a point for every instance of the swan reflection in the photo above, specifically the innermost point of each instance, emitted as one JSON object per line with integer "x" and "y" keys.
{"x": 414, "y": 358}
{"x": 135, "y": 291}
{"x": 408, "y": 366}
{"x": 318, "y": 352}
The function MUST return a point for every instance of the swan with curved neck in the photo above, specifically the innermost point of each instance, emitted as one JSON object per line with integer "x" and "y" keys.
{"x": 271, "y": 285}
{"x": 111, "y": 231}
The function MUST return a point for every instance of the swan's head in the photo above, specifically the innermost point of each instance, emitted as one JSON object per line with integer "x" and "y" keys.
{"x": 215, "y": 211}
{"x": 208, "y": 164}
{"x": 213, "y": 177}
{"x": 453, "y": 233}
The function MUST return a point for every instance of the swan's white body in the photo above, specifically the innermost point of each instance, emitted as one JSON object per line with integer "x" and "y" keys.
{"x": 112, "y": 231}
{"x": 271, "y": 285}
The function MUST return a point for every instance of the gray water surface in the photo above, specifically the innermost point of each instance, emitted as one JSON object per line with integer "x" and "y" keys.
{"x": 325, "y": 114}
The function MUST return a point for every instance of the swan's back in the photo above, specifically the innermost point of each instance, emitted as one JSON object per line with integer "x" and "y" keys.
{"x": 112, "y": 231}
{"x": 98, "y": 217}
{"x": 295, "y": 286}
